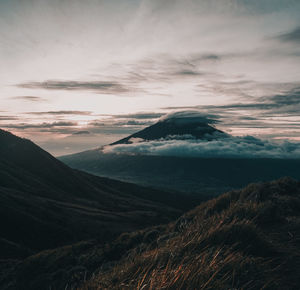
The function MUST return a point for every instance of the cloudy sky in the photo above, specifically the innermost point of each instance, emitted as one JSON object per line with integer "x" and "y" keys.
{"x": 78, "y": 74}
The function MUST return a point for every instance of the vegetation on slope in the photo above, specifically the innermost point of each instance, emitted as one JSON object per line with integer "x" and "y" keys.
{"x": 246, "y": 239}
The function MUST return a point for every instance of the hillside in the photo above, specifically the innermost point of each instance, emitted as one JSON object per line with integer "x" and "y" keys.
{"x": 45, "y": 204}
{"x": 244, "y": 239}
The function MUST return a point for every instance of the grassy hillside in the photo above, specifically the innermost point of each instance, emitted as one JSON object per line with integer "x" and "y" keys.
{"x": 245, "y": 239}
{"x": 65, "y": 229}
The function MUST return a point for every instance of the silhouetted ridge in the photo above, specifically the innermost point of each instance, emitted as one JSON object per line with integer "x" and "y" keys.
{"x": 45, "y": 204}
{"x": 23, "y": 155}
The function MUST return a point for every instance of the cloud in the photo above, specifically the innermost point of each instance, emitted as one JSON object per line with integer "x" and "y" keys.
{"x": 133, "y": 123}
{"x": 292, "y": 36}
{"x": 189, "y": 116}
{"x": 287, "y": 99}
{"x": 28, "y": 98}
{"x": 116, "y": 127}
{"x": 95, "y": 86}
{"x": 280, "y": 105}
{"x": 141, "y": 115}
{"x": 110, "y": 126}
{"x": 81, "y": 133}
{"x": 8, "y": 118}
{"x": 166, "y": 68}
{"x": 40, "y": 125}
{"x": 61, "y": 113}
{"x": 230, "y": 147}
{"x": 177, "y": 53}
{"x": 186, "y": 72}
{"x": 123, "y": 123}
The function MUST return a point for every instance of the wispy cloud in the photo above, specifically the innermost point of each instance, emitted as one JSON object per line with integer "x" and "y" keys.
{"x": 81, "y": 133}
{"x": 225, "y": 58}
{"x": 8, "y": 118}
{"x": 284, "y": 103}
{"x": 40, "y": 125}
{"x": 139, "y": 115}
{"x": 291, "y": 36}
{"x": 62, "y": 112}
{"x": 116, "y": 126}
{"x": 278, "y": 112}
{"x": 95, "y": 86}
{"x": 191, "y": 116}
{"x": 28, "y": 98}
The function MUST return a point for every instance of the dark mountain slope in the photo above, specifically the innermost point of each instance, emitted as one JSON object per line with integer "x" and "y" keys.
{"x": 245, "y": 239}
{"x": 175, "y": 126}
{"x": 45, "y": 204}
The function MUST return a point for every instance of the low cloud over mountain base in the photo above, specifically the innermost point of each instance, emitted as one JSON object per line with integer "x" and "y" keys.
{"x": 228, "y": 147}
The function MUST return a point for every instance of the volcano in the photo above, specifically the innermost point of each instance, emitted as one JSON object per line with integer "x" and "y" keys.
{"x": 176, "y": 125}
{"x": 200, "y": 175}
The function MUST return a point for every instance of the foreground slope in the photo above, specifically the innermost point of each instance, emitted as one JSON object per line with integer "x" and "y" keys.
{"x": 45, "y": 204}
{"x": 246, "y": 239}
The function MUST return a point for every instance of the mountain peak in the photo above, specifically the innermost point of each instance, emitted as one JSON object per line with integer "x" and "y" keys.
{"x": 179, "y": 124}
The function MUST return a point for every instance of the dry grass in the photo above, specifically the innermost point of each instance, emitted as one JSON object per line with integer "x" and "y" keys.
{"x": 246, "y": 239}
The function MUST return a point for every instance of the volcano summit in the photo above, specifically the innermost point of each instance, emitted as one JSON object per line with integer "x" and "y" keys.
{"x": 182, "y": 125}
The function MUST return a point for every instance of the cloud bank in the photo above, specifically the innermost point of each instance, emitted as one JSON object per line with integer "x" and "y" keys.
{"x": 230, "y": 147}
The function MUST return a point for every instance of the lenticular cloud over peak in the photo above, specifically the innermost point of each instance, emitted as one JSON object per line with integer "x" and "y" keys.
{"x": 189, "y": 116}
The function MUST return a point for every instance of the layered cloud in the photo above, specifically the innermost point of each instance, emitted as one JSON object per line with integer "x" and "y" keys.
{"x": 292, "y": 36}
{"x": 66, "y": 112}
{"x": 189, "y": 116}
{"x": 215, "y": 145}
{"x": 28, "y": 98}
{"x": 139, "y": 115}
{"x": 230, "y": 147}
{"x": 7, "y": 118}
{"x": 101, "y": 64}
{"x": 270, "y": 114}
{"x": 40, "y": 125}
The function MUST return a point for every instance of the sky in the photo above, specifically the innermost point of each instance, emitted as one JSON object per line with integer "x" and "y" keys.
{"x": 77, "y": 74}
